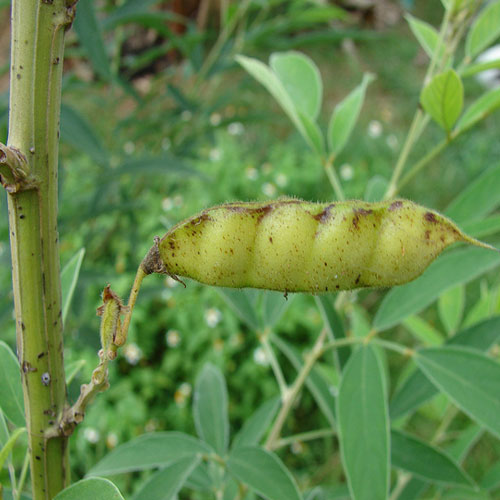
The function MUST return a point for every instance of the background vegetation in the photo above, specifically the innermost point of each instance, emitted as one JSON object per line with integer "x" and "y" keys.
{"x": 159, "y": 122}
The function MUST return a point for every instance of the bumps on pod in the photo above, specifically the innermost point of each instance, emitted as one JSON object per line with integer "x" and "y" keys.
{"x": 291, "y": 245}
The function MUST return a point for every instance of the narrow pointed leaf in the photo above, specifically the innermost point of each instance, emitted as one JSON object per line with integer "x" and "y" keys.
{"x": 256, "y": 425}
{"x": 363, "y": 425}
{"x": 210, "y": 408}
{"x": 423, "y": 331}
{"x": 425, "y": 33}
{"x": 242, "y": 303}
{"x": 335, "y": 328}
{"x": 469, "y": 378}
{"x": 449, "y": 270}
{"x": 274, "y": 305}
{"x": 77, "y": 131}
{"x": 148, "y": 451}
{"x": 90, "y": 36}
{"x": 345, "y": 116}
{"x": 301, "y": 78}
{"x": 479, "y": 109}
{"x": 263, "y": 472}
{"x": 7, "y": 447}
{"x": 443, "y": 98}
{"x": 320, "y": 389}
{"x": 69, "y": 279}
{"x": 417, "y": 389}
{"x": 451, "y": 307}
{"x": 484, "y": 30}
{"x": 91, "y": 489}
{"x": 478, "y": 199}
{"x": 425, "y": 461}
{"x": 11, "y": 392}
{"x": 166, "y": 483}
{"x": 264, "y": 75}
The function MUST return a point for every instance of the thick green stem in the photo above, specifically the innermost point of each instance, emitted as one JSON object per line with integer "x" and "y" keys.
{"x": 36, "y": 69}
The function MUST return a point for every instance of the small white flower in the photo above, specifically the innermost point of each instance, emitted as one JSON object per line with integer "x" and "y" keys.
{"x": 374, "y": 129}
{"x": 166, "y": 143}
{"x": 251, "y": 173}
{"x": 235, "y": 128}
{"x": 173, "y": 338}
{"x": 151, "y": 425}
{"x": 346, "y": 172}
{"x": 186, "y": 115}
{"x": 91, "y": 435}
{"x": 260, "y": 356}
{"x": 167, "y": 204}
{"x": 215, "y": 119}
{"x": 182, "y": 394}
{"x": 111, "y": 440}
{"x": 297, "y": 447}
{"x": 178, "y": 200}
{"x": 170, "y": 282}
{"x": 132, "y": 353}
{"x": 129, "y": 147}
{"x": 281, "y": 180}
{"x": 269, "y": 189}
{"x": 212, "y": 317}
{"x": 215, "y": 154}
{"x": 392, "y": 141}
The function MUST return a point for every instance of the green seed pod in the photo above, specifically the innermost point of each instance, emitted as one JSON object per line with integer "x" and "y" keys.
{"x": 296, "y": 246}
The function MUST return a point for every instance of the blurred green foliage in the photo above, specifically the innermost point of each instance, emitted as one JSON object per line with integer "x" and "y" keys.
{"x": 147, "y": 142}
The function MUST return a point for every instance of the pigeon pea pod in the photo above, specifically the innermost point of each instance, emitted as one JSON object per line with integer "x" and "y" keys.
{"x": 296, "y": 246}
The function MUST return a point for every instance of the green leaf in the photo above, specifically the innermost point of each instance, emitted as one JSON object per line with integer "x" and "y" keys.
{"x": 90, "y": 489}
{"x": 314, "y": 134}
{"x": 443, "y": 98}
{"x": 7, "y": 447}
{"x": 335, "y": 328}
{"x": 242, "y": 302}
{"x": 469, "y": 378}
{"x": 363, "y": 425}
{"x": 451, "y": 307}
{"x": 4, "y": 431}
{"x": 474, "y": 69}
{"x": 424, "y": 461}
{"x": 274, "y": 305}
{"x": 69, "y": 278}
{"x": 257, "y": 424}
{"x": 426, "y": 34}
{"x": 320, "y": 389}
{"x": 478, "y": 110}
{"x": 444, "y": 273}
{"x": 301, "y": 79}
{"x": 491, "y": 478}
{"x": 11, "y": 392}
{"x": 89, "y": 34}
{"x": 423, "y": 331}
{"x": 484, "y": 30}
{"x": 166, "y": 483}
{"x": 263, "y": 472}
{"x": 148, "y": 451}
{"x": 482, "y": 228}
{"x": 77, "y": 131}
{"x": 149, "y": 165}
{"x": 345, "y": 115}
{"x": 200, "y": 478}
{"x": 466, "y": 439}
{"x": 417, "y": 388}
{"x": 376, "y": 188}
{"x": 210, "y": 408}
{"x": 264, "y": 75}
{"x": 478, "y": 199}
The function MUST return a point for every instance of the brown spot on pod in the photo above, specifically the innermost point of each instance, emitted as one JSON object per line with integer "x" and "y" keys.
{"x": 395, "y": 205}
{"x": 430, "y": 217}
